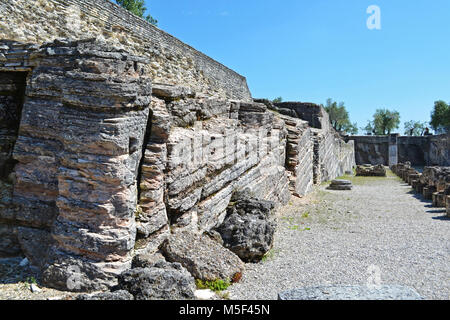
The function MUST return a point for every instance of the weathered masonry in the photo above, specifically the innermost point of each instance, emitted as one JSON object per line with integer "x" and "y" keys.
{"x": 170, "y": 60}
{"x": 433, "y": 183}
{"x": 104, "y": 155}
{"x": 420, "y": 151}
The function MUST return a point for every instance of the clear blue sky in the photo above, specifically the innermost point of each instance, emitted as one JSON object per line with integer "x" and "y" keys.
{"x": 313, "y": 50}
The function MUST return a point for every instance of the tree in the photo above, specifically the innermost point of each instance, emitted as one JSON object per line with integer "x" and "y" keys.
{"x": 339, "y": 117}
{"x": 369, "y": 129}
{"x": 440, "y": 117}
{"x": 138, "y": 8}
{"x": 277, "y": 100}
{"x": 414, "y": 128}
{"x": 384, "y": 121}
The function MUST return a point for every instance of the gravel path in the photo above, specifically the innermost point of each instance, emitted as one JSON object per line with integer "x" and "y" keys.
{"x": 349, "y": 237}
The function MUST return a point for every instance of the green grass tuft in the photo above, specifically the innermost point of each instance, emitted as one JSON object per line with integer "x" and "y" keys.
{"x": 216, "y": 285}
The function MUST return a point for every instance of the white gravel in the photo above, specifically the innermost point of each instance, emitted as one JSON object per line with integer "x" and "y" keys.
{"x": 379, "y": 230}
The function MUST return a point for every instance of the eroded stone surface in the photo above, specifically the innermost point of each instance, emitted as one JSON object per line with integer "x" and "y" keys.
{"x": 203, "y": 257}
{"x": 371, "y": 171}
{"x": 78, "y": 151}
{"x": 249, "y": 228}
{"x": 163, "y": 281}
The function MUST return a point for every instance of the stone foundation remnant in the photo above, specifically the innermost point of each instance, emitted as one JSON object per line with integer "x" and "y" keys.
{"x": 433, "y": 183}
{"x": 122, "y": 154}
{"x": 339, "y": 184}
{"x": 368, "y": 170}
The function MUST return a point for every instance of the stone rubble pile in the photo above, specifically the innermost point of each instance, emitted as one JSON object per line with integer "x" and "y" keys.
{"x": 368, "y": 170}
{"x": 433, "y": 183}
{"x": 340, "y": 184}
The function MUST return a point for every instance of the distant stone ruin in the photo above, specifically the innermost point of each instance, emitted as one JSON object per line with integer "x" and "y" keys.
{"x": 116, "y": 147}
{"x": 433, "y": 183}
{"x": 420, "y": 151}
{"x": 369, "y": 170}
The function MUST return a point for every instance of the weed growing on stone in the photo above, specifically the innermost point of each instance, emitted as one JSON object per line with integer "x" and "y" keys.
{"x": 31, "y": 280}
{"x": 270, "y": 255}
{"x": 216, "y": 285}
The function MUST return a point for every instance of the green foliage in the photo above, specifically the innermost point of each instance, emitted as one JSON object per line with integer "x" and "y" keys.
{"x": 216, "y": 285}
{"x": 299, "y": 228}
{"x": 440, "y": 117}
{"x": 270, "y": 255}
{"x": 369, "y": 129}
{"x": 277, "y": 100}
{"x": 138, "y": 8}
{"x": 384, "y": 121}
{"x": 31, "y": 280}
{"x": 414, "y": 128}
{"x": 339, "y": 117}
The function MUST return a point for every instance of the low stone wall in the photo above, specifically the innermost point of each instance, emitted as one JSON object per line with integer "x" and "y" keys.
{"x": 171, "y": 61}
{"x": 420, "y": 151}
{"x": 433, "y": 183}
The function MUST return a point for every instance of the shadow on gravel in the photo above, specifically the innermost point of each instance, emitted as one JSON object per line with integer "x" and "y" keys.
{"x": 445, "y": 218}
{"x": 404, "y": 184}
{"x": 437, "y": 210}
{"x": 11, "y": 272}
{"x": 420, "y": 197}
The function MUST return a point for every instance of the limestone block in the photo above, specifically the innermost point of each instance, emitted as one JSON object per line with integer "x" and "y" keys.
{"x": 203, "y": 257}
{"x": 78, "y": 150}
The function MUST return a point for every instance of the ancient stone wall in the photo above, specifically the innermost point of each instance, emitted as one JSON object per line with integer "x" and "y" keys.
{"x": 328, "y": 153}
{"x": 77, "y": 153}
{"x": 316, "y": 115}
{"x": 96, "y": 171}
{"x": 371, "y": 149}
{"x": 171, "y": 61}
{"x": 299, "y": 155}
{"x": 98, "y": 163}
{"x": 333, "y": 157}
{"x": 425, "y": 150}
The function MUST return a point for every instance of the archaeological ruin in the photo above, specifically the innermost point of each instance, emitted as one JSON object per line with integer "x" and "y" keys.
{"x": 117, "y": 137}
{"x": 120, "y": 143}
